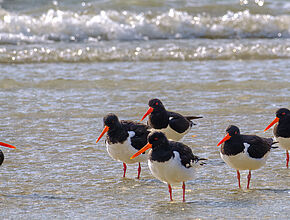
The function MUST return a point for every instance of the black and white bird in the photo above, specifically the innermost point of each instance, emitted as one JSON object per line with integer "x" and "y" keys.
{"x": 173, "y": 124}
{"x": 244, "y": 152}
{"x": 282, "y": 130}
{"x": 1, "y": 153}
{"x": 169, "y": 161}
{"x": 124, "y": 138}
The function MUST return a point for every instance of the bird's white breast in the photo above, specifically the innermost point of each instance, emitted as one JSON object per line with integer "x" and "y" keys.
{"x": 283, "y": 142}
{"x": 171, "y": 134}
{"x": 243, "y": 161}
{"x": 124, "y": 151}
{"x": 171, "y": 171}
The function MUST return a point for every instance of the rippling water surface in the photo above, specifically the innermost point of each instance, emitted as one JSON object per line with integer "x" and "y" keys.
{"x": 64, "y": 65}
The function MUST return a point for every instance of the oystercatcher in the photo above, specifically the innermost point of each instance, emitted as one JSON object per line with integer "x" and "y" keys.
{"x": 173, "y": 124}
{"x": 282, "y": 130}
{"x": 1, "y": 153}
{"x": 125, "y": 138}
{"x": 244, "y": 152}
{"x": 169, "y": 161}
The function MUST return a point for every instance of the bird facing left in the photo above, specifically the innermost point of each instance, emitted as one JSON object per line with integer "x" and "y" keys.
{"x": 123, "y": 139}
{"x": 170, "y": 161}
{"x": 1, "y": 153}
{"x": 244, "y": 152}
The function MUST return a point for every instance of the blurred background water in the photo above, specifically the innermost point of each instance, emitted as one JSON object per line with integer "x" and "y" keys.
{"x": 66, "y": 64}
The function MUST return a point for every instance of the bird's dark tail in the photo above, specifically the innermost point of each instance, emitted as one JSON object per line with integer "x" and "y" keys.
{"x": 189, "y": 118}
{"x": 193, "y": 117}
{"x": 272, "y": 142}
{"x": 274, "y": 147}
{"x": 200, "y": 161}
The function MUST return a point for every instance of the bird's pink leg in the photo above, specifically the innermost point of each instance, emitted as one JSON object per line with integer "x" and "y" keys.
{"x": 249, "y": 178}
{"x": 170, "y": 192}
{"x": 183, "y": 187}
{"x": 287, "y": 159}
{"x": 239, "y": 178}
{"x": 125, "y": 168}
{"x": 139, "y": 171}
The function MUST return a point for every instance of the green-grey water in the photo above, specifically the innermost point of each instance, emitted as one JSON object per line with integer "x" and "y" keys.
{"x": 60, "y": 79}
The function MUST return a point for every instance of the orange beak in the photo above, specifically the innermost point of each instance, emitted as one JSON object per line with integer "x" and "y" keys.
{"x": 7, "y": 145}
{"x": 146, "y": 147}
{"x": 227, "y": 137}
{"x": 147, "y": 113}
{"x": 272, "y": 123}
{"x": 106, "y": 128}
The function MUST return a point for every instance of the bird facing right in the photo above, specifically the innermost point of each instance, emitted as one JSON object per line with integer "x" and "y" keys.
{"x": 244, "y": 152}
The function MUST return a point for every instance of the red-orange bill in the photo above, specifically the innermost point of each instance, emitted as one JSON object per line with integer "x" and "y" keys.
{"x": 147, "y": 113}
{"x": 272, "y": 123}
{"x": 227, "y": 137}
{"x": 146, "y": 147}
{"x": 106, "y": 128}
{"x": 7, "y": 145}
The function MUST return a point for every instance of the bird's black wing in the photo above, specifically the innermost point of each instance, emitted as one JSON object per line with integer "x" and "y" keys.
{"x": 178, "y": 122}
{"x": 259, "y": 146}
{"x": 186, "y": 155}
{"x": 141, "y": 131}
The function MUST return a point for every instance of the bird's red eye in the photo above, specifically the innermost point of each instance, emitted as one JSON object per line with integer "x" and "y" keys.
{"x": 283, "y": 113}
{"x": 156, "y": 139}
{"x": 236, "y": 132}
{"x": 156, "y": 103}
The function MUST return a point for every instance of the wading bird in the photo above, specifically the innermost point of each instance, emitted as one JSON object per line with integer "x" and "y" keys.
{"x": 124, "y": 138}
{"x": 244, "y": 152}
{"x": 173, "y": 124}
{"x": 169, "y": 161}
{"x": 282, "y": 130}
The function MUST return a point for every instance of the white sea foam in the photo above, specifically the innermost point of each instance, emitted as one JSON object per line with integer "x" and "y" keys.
{"x": 57, "y": 25}
{"x": 158, "y": 50}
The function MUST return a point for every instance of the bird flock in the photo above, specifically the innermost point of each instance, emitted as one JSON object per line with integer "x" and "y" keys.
{"x": 173, "y": 162}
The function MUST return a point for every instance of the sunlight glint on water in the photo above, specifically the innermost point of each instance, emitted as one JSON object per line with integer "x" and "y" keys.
{"x": 66, "y": 64}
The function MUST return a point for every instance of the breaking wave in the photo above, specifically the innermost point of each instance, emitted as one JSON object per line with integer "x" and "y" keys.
{"x": 68, "y": 26}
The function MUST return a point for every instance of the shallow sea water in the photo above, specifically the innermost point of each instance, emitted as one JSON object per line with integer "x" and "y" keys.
{"x": 58, "y": 171}
{"x": 55, "y": 89}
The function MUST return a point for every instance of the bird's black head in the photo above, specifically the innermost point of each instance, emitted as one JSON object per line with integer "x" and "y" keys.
{"x": 111, "y": 120}
{"x": 157, "y": 139}
{"x": 155, "y": 104}
{"x": 233, "y": 130}
{"x": 282, "y": 113}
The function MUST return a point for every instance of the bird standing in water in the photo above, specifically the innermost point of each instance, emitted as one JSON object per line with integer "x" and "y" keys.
{"x": 173, "y": 124}
{"x": 169, "y": 161}
{"x": 282, "y": 130}
{"x": 124, "y": 138}
{"x": 244, "y": 152}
